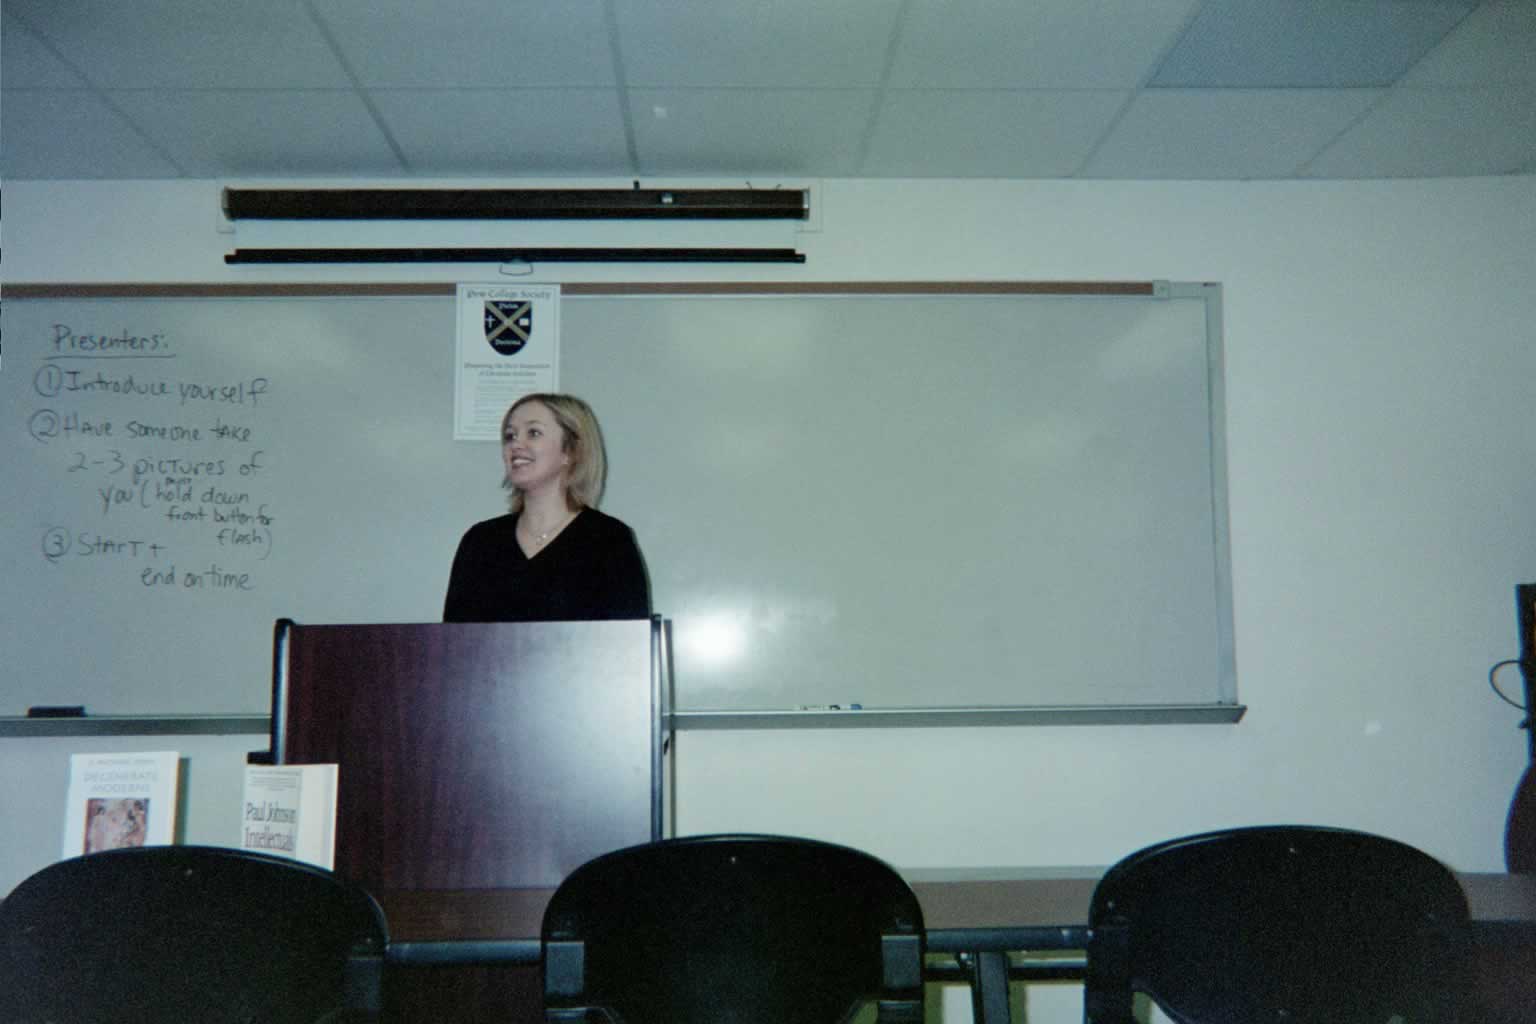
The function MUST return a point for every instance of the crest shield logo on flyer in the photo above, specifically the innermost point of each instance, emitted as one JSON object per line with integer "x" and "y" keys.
{"x": 508, "y": 325}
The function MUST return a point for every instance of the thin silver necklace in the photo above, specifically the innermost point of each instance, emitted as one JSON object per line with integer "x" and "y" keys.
{"x": 540, "y": 539}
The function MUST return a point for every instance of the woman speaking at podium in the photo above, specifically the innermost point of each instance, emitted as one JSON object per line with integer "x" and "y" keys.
{"x": 554, "y": 557}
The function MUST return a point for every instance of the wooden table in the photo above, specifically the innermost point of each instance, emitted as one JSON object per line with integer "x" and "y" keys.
{"x": 980, "y": 920}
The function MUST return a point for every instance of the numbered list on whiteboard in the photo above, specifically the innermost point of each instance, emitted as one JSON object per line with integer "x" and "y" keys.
{"x": 161, "y": 477}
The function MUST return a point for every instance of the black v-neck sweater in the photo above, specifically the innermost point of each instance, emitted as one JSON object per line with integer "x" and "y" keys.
{"x": 592, "y": 570}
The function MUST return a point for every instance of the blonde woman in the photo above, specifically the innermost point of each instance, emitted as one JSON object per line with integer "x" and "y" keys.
{"x": 554, "y": 556}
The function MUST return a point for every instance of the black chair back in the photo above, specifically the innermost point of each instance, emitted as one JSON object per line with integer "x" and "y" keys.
{"x": 187, "y": 933}
{"x": 727, "y": 929}
{"x": 1283, "y": 924}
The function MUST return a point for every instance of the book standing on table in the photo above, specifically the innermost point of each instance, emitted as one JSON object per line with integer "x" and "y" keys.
{"x": 290, "y": 811}
{"x": 120, "y": 800}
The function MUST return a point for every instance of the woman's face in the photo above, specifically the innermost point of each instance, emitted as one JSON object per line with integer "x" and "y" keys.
{"x": 533, "y": 448}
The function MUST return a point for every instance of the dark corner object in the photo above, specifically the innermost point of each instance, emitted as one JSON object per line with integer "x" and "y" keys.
{"x": 516, "y": 204}
{"x": 487, "y": 255}
{"x": 1520, "y": 824}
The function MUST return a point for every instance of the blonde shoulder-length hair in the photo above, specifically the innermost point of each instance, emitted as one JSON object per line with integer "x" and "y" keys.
{"x": 582, "y": 441}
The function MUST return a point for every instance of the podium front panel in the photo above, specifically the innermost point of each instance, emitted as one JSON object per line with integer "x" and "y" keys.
{"x": 487, "y": 755}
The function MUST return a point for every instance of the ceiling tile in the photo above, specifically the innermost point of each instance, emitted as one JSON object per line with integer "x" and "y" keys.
{"x": 792, "y": 132}
{"x": 72, "y": 134}
{"x": 754, "y": 43}
{"x": 255, "y": 132}
{"x": 1306, "y": 43}
{"x": 1495, "y": 46}
{"x": 172, "y": 44}
{"x": 1436, "y": 133}
{"x": 1249, "y": 133}
{"x": 1045, "y": 44}
{"x": 781, "y": 88}
{"x": 987, "y": 134}
{"x": 471, "y": 43}
{"x": 26, "y": 63}
{"x": 497, "y": 131}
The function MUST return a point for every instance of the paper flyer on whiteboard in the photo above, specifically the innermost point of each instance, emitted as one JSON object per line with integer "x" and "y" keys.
{"x": 508, "y": 346}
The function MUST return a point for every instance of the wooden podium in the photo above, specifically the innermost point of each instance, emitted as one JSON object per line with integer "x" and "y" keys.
{"x": 477, "y": 755}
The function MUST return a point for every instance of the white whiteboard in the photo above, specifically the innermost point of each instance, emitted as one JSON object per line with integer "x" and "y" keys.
{"x": 938, "y": 500}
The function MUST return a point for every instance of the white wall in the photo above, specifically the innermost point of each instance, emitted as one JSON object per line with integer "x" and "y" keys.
{"x": 1381, "y": 349}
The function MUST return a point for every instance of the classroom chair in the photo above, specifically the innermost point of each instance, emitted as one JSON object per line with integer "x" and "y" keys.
{"x": 187, "y": 933}
{"x": 1282, "y": 924}
{"x": 733, "y": 929}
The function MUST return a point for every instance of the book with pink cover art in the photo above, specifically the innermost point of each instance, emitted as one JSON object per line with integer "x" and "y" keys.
{"x": 120, "y": 800}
